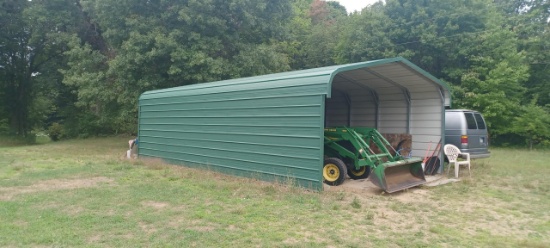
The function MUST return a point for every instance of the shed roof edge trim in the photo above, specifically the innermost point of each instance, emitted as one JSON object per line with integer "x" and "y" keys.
{"x": 232, "y": 82}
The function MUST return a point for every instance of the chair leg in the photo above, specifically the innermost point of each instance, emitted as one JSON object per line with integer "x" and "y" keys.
{"x": 456, "y": 170}
{"x": 469, "y": 171}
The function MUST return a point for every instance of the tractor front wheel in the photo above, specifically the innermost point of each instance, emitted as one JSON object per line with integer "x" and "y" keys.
{"x": 334, "y": 171}
{"x": 362, "y": 173}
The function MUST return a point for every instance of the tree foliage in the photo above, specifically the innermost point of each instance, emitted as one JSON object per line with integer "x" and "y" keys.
{"x": 32, "y": 44}
{"x": 79, "y": 66}
{"x": 160, "y": 44}
{"x": 532, "y": 124}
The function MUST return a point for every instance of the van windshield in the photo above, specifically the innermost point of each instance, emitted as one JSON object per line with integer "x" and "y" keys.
{"x": 480, "y": 122}
{"x": 470, "y": 120}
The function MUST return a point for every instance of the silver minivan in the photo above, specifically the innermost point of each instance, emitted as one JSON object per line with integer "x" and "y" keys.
{"x": 466, "y": 130}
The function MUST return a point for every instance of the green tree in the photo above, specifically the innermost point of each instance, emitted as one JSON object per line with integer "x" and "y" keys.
{"x": 319, "y": 44}
{"x": 530, "y": 20}
{"x": 160, "y": 44}
{"x": 16, "y": 74}
{"x": 297, "y": 28}
{"x": 494, "y": 82}
{"x": 32, "y": 46}
{"x": 364, "y": 36}
{"x": 437, "y": 35}
{"x": 532, "y": 124}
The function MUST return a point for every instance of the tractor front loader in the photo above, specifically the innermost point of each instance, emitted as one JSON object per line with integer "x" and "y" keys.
{"x": 348, "y": 150}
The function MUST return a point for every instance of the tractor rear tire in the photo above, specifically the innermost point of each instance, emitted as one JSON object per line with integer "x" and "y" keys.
{"x": 334, "y": 171}
{"x": 362, "y": 173}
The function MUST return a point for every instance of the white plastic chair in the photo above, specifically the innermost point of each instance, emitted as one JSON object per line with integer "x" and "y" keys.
{"x": 453, "y": 153}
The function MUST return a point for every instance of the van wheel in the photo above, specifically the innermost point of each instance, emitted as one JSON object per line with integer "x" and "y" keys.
{"x": 334, "y": 171}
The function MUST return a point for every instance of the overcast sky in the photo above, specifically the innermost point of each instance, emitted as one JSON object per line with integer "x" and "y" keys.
{"x": 353, "y": 5}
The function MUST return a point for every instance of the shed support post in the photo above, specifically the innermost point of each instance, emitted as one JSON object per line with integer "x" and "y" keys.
{"x": 376, "y": 108}
{"x": 407, "y": 95}
{"x": 348, "y": 100}
{"x": 441, "y": 154}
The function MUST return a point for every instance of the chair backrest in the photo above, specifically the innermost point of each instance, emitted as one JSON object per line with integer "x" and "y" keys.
{"x": 452, "y": 152}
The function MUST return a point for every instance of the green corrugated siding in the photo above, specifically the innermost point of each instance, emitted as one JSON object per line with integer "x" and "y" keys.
{"x": 271, "y": 129}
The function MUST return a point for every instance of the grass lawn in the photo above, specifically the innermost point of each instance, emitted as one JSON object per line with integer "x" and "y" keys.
{"x": 84, "y": 193}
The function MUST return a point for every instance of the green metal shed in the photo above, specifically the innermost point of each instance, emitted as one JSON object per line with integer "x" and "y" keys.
{"x": 271, "y": 127}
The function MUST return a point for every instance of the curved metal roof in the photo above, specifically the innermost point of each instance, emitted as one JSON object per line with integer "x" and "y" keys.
{"x": 390, "y": 72}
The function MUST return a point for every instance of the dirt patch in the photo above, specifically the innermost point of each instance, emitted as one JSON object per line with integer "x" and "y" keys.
{"x": 7, "y": 193}
{"x": 94, "y": 238}
{"x": 363, "y": 186}
{"x": 202, "y": 227}
{"x": 367, "y": 188}
{"x": 154, "y": 204}
{"x": 147, "y": 228}
{"x": 411, "y": 196}
{"x": 74, "y": 210}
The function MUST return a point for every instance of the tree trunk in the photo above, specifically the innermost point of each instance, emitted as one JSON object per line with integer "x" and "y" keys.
{"x": 20, "y": 99}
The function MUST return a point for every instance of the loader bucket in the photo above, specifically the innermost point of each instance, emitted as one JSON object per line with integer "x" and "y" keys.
{"x": 399, "y": 175}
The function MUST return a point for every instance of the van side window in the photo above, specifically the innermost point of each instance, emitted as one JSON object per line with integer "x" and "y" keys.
{"x": 470, "y": 120}
{"x": 480, "y": 122}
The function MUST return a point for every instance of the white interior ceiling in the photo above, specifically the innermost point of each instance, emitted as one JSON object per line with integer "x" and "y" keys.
{"x": 393, "y": 98}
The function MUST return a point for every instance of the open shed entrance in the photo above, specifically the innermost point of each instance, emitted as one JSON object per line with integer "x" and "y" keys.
{"x": 399, "y": 101}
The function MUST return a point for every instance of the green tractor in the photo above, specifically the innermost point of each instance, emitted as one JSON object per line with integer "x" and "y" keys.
{"x": 348, "y": 151}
